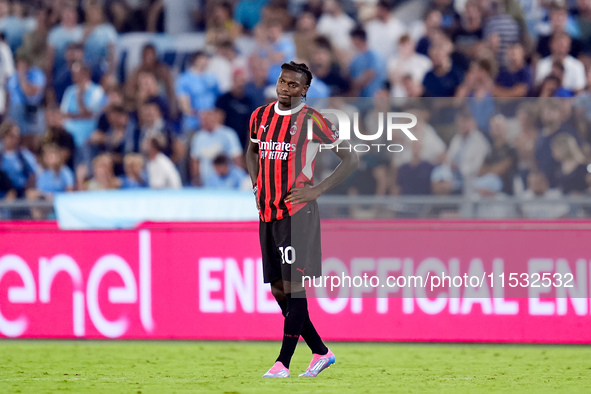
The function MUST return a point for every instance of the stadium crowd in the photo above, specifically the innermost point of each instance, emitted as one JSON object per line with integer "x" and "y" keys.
{"x": 501, "y": 90}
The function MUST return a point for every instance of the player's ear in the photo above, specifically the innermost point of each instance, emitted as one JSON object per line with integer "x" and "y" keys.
{"x": 305, "y": 90}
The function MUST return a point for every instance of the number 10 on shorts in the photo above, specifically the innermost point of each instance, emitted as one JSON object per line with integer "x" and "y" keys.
{"x": 288, "y": 254}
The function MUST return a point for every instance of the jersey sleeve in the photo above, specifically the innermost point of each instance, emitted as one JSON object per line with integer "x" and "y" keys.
{"x": 325, "y": 131}
{"x": 253, "y": 126}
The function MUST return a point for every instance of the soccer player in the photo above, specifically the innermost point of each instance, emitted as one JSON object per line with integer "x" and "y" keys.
{"x": 280, "y": 159}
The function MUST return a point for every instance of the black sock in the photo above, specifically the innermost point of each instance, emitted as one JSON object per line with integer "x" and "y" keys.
{"x": 309, "y": 333}
{"x": 297, "y": 313}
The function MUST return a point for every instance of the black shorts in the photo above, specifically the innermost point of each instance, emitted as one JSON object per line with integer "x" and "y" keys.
{"x": 291, "y": 246}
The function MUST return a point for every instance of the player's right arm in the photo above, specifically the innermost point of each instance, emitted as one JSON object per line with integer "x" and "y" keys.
{"x": 252, "y": 161}
{"x": 252, "y": 155}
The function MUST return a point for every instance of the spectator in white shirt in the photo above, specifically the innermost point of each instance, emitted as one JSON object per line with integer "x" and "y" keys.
{"x": 574, "y": 71}
{"x": 162, "y": 174}
{"x": 384, "y": 32}
{"x": 337, "y": 25}
{"x": 468, "y": 148}
{"x": 541, "y": 202}
{"x": 407, "y": 63}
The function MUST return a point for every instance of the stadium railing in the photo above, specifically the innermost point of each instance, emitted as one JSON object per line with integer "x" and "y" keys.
{"x": 389, "y": 207}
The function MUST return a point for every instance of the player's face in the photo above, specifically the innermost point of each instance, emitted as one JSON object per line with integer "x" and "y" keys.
{"x": 290, "y": 85}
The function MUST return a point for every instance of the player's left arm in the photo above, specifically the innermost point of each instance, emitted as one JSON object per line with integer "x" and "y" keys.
{"x": 349, "y": 162}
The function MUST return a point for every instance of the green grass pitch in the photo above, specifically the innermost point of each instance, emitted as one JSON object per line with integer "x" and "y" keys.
{"x": 236, "y": 367}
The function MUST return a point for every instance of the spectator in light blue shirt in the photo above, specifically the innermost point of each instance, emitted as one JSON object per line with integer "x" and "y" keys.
{"x": 81, "y": 105}
{"x": 225, "y": 175}
{"x": 368, "y": 69}
{"x": 17, "y": 162}
{"x": 196, "y": 91}
{"x": 64, "y": 34}
{"x": 278, "y": 49}
{"x": 56, "y": 176}
{"x": 26, "y": 89}
{"x": 16, "y": 25}
{"x": 99, "y": 44}
{"x": 214, "y": 139}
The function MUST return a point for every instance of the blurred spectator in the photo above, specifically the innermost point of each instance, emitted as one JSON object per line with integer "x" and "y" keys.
{"x": 6, "y": 71}
{"x": 151, "y": 64}
{"x": 304, "y": 35}
{"x": 99, "y": 42}
{"x": 213, "y": 139}
{"x": 162, "y": 174}
{"x": 55, "y": 177}
{"x": 541, "y": 202}
{"x": 572, "y": 174}
{"x": 220, "y": 25}
{"x": 35, "y": 41}
{"x": 14, "y": 23}
{"x": 432, "y": 147}
{"x": 445, "y": 182}
{"x": 237, "y": 106}
{"x": 525, "y": 143}
{"x": 255, "y": 87}
{"x": 367, "y": 69}
{"x": 113, "y": 140}
{"x": 468, "y": 148}
{"x": 26, "y": 89}
{"x": 57, "y": 135}
{"x": 62, "y": 76}
{"x": 226, "y": 175}
{"x": 178, "y": 16}
{"x": 478, "y": 88}
{"x": 248, "y": 12}
{"x": 432, "y": 27}
{"x": 551, "y": 127}
{"x": 127, "y": 16}
{"x": 407, "y": 63}
{"x": 574, "y": 71}
{"x": 558, "y": 23}
{"x": 515, "y": 79}
{"x": 17, "y": 162}
{"x": 501, "y": 30}
{"x": 61, "y": 36}
{"x": 337, "y": 25}
{"x": 445, "y": 77}
{"x": 103, "y": 175}
{"x": 148, "y": 90}
{"x": 384, "y": 31}
{"x": 326, "y": 69}
{"x": 449, "y": 17}
{"x": 82, "y": 104}
{"x": 468, "y": 36}
{"x": 224, "y": 63}
{"x": 583, "y": 19}
{"x": 135, "y": 176}
{"x": 276, "y": 47}
{"x": 196, "y": 90}
{"x": 501, "y": 161}
{"x": 151, "y": 124}
{"x": 414, "y": 177}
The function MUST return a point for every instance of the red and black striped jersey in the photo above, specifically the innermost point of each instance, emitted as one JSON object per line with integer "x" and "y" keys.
{"x": 286, "y": 154}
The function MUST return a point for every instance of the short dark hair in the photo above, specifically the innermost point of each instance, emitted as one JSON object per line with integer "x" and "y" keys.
{"x": 220, "y": 160}
{"x": 119, "y": 109}
{"x": 359, "y": 32}
{"x": 386, "y": 4}
{"x": 197, "y": 55}
{"x": 300, "y": 68}
{"x": 323, "y": 42}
